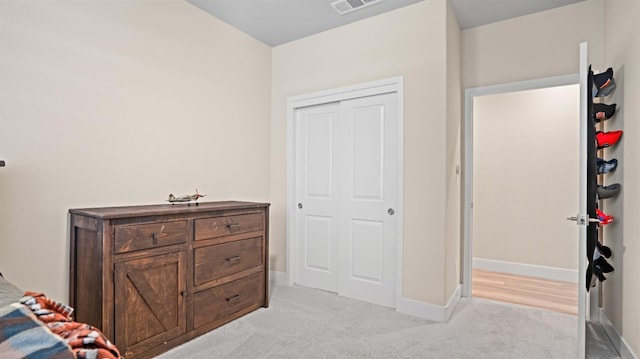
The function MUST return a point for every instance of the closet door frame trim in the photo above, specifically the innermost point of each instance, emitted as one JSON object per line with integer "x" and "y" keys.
{"x": 379, "y": 87}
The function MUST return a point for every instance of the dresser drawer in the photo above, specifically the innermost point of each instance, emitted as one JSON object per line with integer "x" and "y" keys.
{"x": 220, "y": 260}
{"x": 143, "y": 236}
{"x": 223, "y": 226}
{"x": 219, "y": 302}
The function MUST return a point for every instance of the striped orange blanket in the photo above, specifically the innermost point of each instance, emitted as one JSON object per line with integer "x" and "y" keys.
{"x": 85, "y": 340}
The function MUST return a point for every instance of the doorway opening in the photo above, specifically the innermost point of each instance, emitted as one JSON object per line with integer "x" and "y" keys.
{"x": 522, "y": 142}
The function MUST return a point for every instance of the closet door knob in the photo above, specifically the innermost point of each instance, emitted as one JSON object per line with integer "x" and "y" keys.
{"x": 391, "y": 211}
{"x": 300, "y": 205}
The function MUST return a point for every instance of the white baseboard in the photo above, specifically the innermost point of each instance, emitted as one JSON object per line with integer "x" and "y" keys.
{"x": 432, "y": 312}
{"x": 618, "y": 341}
{"x": 453, "y": 301}
{"x": 560, "y": 274}
{"x": 436, "y": 313}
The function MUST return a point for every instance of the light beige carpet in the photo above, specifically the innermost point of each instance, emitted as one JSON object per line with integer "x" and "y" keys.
{"x": 307, "y": 323}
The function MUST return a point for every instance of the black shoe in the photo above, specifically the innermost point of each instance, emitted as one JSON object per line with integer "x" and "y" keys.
{"x": 601, "y": 112}
{"x": 604, "y": 250}
{"x": 599, "y": 275}
{"x": 602, "y": 265}
{"x": 603, "y": 83}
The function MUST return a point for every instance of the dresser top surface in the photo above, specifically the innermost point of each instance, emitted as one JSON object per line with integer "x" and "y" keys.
{"x": 164, "y": 209}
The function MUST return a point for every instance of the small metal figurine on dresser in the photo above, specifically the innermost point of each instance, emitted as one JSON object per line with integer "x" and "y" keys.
{"x": 187, "y": 198}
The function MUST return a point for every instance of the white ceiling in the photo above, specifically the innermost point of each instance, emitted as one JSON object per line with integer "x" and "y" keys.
{"x": 472, "y": 13}
{"x": 275, "y": 22}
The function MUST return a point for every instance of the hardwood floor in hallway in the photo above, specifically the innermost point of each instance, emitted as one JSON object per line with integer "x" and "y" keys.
{"x": 540, "y": 293}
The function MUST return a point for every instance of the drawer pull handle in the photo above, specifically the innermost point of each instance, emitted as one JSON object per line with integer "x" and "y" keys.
{"x": 234, "y": 259}
{"x": 154, "y": 238}
{"x": 233, "y": 226}
{"x": 234, "y": 299}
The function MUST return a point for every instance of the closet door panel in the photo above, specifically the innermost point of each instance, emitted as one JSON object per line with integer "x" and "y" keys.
{"x": 318, "y": 197}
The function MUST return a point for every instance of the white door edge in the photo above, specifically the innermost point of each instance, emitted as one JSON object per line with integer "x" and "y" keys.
{"x": 379, "y": 87}
{"x": 582, "y": 206}
{"x": 469, "y": 94}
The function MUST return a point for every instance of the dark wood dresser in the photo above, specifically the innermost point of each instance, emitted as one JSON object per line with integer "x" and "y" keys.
{"x": 153, "y": 277}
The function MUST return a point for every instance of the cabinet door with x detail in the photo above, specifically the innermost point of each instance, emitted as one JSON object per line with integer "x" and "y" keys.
{"x": 149, "y": 305}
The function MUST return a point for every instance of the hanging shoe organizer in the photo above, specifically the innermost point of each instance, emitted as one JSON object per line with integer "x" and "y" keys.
{"x": 598, "y": 166}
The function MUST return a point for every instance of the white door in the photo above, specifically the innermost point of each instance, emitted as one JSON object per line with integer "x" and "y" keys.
{"x": 368, "y": 198}
{"x": 583, "y": 215}
{"x": 318, "y": 197}
{"x": 346, "y": 190}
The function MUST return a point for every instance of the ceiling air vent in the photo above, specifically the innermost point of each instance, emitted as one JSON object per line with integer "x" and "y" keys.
{"x": 347, "y": 6}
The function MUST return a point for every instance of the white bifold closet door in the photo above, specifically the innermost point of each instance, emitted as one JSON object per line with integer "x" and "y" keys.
{"x": 346, "y": 154}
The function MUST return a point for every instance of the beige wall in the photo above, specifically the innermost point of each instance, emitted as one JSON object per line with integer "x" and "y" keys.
{"x": 535, "y": 46}
{"x": 525, "y": 176}
{"x": 117, "y": 103}
{"x": 104, "y": 103}
{"x": 546, "y": 44}
{"x": 621, "y": 291}
{"x": 110, "y": 106}
{"x": 411, "y": 42}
